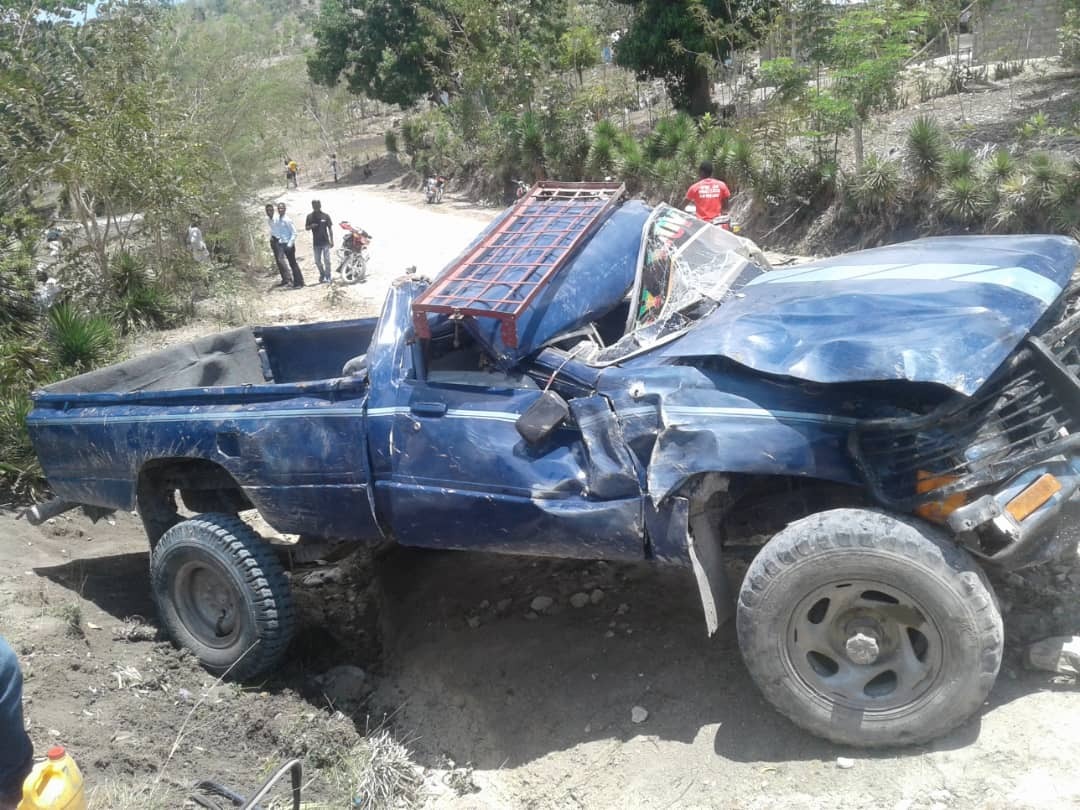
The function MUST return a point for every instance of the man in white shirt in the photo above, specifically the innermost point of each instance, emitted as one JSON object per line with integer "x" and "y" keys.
{"x": 285, "y": 232}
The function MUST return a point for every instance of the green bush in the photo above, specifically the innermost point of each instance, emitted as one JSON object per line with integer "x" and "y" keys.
{"x": 959, "y": 163}
{"x": 1000, "y": 166}
{"x": 877, "y": 190}
{"x": 963, "y": 200}
{"x": 925, "y": 151}
{"x": 79, "y": 341}
{"x": 390, "y": 141}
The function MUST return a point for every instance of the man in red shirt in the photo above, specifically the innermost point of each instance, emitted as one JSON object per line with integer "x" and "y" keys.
{"x": 709, "y": 195}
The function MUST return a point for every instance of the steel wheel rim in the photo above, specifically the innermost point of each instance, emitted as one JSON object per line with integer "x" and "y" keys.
{"x": 208, "y": 604}
{"x": 865, "y": 645}
{"x": 354, "y": 269}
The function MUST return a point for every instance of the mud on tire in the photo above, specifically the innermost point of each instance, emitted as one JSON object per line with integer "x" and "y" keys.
{"x": 222, "y": 594}
{"x": 869, "y": 629}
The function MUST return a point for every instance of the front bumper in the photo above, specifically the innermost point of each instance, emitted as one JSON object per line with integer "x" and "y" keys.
{"x": 965, "y": 462}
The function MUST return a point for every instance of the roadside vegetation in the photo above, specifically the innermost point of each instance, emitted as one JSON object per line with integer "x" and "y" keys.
{"x": 526, "y": 99}
{"x": 117, "y": 130}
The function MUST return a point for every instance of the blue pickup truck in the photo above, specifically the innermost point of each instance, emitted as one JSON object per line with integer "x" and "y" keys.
{"x": 595, "y": 378}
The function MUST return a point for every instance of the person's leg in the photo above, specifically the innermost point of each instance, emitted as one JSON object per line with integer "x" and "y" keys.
{"x": 322, "y": 261}
{"x": 290, "y": 254}
{"x": 279, "y": 260}
{"x": 16, "y": 751}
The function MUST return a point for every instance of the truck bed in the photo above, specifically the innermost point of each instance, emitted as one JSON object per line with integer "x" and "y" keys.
{"x": 237, "y": 358}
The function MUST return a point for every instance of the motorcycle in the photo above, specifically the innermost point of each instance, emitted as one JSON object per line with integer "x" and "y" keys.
{"x": 723, "y": 221}
{"x": 433, "y": 189}
{"x": 353, "y": 253}
{"x": 520, "y": 189}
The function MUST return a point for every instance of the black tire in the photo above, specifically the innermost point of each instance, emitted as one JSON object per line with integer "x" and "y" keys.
{"x": 901, "y": 638}
{"x": 215, "y": 564}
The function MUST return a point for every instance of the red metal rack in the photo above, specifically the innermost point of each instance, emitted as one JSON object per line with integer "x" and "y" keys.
{"x": 502, "y": 274}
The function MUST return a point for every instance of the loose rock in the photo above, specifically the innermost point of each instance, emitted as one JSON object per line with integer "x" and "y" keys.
{"x": 474, "y": 622}
{"x": 579, "y": 600}
{"x": 638, "y": 715}
{"x": 623, "y": 609}
{"x": 1060, "y": 654}
{"x": 597, "y": 596}
{"x": 845, "y": 763}
{"x": 541, "y": 603}
{"x": 344, "y": 684}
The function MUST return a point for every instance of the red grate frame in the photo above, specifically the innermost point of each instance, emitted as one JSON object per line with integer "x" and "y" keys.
{"x": 488, "y": 283}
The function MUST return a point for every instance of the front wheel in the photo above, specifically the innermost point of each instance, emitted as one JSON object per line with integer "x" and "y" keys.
{"x": 354, "y": 268}
{"x": 869, "y": 629}
{"x": 222, "y": 594}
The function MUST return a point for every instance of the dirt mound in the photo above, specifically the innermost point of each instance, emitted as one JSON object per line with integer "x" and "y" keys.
{"x": 382, "y": 169}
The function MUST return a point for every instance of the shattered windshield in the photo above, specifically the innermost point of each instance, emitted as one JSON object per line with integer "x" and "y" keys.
{"x": 686, "y": 269}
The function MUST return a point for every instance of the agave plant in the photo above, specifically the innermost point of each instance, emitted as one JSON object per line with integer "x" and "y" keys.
{"x": 877, "y": 189}
{"x": 631, "y": 164}
{"x": 959, "y": 163}
{"x": 79, "y": 341}
{"x": 963, "y": 200}
{"x": 925, "y": 151}
{"x": 742, "y": 165}
{"x": 1047, "y": 176}
{"x": 1000, "y": 166}
{"x": 669, "y": 135}
{"x": 1012, "y": 209}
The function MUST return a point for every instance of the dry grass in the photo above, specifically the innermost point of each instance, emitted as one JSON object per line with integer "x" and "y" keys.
{"x": 379, "y": 774}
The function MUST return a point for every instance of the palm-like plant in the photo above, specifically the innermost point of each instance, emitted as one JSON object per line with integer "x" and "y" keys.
{"x": 79, "y": 341}
{"x": 877, "y": 190}
{"x": 1000, "y": 166}
{"x": 963, "y": 200}
{"x": 959, "y": 163}
{"x": 925, "y": 151}
{"x": 631, "y": 163}
{"x": 742, "y": 165}
{"x": 1012, "y": 210}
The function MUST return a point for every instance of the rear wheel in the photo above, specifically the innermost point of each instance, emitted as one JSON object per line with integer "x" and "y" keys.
{"x": 222, "y": 594}
{"x": 869, "y": 629}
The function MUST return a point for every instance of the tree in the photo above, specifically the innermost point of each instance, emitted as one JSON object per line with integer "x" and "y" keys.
{"x": 683, "y": 41}
{"x": 579, "y": 48}
{"x": 866, "y": 49}
{"x": 389, "y": 50}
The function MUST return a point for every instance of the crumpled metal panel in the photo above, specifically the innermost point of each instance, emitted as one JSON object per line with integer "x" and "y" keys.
{"x": 682, "y": 421}
{"x": 947, "y": 310}
{"x": 591, "y": 284}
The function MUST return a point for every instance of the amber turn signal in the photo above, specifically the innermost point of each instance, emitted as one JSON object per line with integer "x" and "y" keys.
{"x": 1033, "y": 497}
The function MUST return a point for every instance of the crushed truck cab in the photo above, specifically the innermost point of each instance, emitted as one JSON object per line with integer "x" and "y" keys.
{"x": 595, "y": 378}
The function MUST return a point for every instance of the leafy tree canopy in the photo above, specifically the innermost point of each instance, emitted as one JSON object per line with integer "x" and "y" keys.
{"x": 681, "y": 42}
{"x": 392, "y": 51}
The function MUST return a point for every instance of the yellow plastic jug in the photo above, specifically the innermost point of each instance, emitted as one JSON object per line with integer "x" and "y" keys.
{"x": 55, "y": 784}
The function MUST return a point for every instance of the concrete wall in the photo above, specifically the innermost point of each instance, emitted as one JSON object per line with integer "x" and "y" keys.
{"x": 1016, "y": 29}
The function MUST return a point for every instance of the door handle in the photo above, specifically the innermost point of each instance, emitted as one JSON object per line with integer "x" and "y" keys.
{"x": 428, "y": 408}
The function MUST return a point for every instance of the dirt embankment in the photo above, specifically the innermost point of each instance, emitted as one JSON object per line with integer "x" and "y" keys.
{"x": 503, "y": 705}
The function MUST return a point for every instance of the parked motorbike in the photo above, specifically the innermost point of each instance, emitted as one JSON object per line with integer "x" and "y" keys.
{"x": 353, "y": 253}
{"x": 433, "y": 189}
{"x": 723, "y": 221}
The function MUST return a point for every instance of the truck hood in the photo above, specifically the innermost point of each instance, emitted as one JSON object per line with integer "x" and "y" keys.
{"x": 947, "y": 310}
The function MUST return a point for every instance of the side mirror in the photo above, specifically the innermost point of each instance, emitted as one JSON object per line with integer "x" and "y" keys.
{"x": 542, "y": 417}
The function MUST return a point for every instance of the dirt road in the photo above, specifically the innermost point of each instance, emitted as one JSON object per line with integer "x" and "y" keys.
{"x": 537, "y": 706}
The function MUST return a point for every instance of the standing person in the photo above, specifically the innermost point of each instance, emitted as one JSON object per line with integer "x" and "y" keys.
{"x": 709, "y": 195}
{"x": 275, "y": 249}
{"x": 196, "y": 244}
{"x": 285, "y": 232}
{"x": 16, "y": 750}
{"x": 334, "y": 165}
{"x": 291, "y": 170}
{"x": 322, "y": 238}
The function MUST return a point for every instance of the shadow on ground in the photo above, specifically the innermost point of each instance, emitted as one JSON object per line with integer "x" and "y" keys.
{"x": 469, "y": 671}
